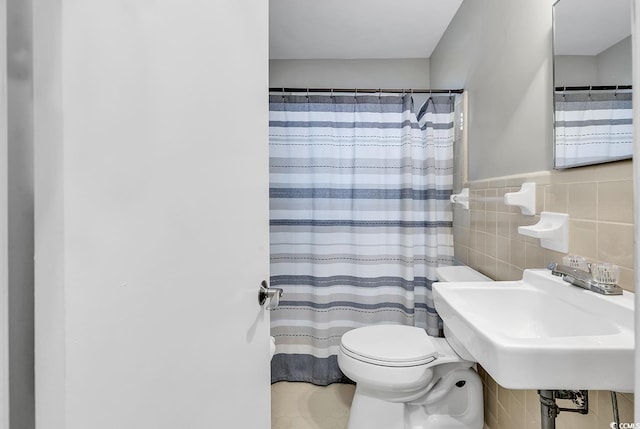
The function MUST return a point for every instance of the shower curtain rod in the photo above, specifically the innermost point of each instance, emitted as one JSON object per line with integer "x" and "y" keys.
{"x": 371, "y": 90}
{"x": 593, "y": 88}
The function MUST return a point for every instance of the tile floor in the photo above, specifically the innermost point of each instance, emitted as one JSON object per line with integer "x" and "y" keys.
{"x": 306, "y": 406}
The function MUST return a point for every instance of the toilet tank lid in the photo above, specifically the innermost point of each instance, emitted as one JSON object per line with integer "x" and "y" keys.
{"x": 460, "y": 273}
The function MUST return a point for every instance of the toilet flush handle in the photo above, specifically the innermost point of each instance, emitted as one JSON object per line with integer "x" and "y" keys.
{"x": 273, "y": 294}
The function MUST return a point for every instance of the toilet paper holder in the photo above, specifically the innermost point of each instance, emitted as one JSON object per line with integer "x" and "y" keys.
{"x": 273, "y": 294}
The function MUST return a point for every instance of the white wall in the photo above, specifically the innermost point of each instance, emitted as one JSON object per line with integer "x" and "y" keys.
{"x": 49, "y": 221}
{"x": 392, "y": 73}
{"x": 575, "y": 70}
{"x": 611, "y": 67}
{"x": 373, "y": 73}
{"x": 614, "y": 64}
{"x": 500, "y": 52}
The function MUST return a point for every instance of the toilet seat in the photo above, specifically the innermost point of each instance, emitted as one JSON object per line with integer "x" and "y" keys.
{"x": 389, "y": 345}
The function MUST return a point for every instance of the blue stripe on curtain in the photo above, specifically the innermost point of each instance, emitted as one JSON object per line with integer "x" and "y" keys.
{"x": 372, "y": 194}
{"x": 360, "y": 219}
{"x": 361, "y": 223}
{"x": 350, "y": 281}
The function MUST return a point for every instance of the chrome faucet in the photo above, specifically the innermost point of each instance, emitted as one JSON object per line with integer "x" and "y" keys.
{"x": 583, "y": 279}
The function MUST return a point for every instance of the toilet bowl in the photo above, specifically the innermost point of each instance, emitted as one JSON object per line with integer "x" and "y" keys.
{"x": 407, "y": 379}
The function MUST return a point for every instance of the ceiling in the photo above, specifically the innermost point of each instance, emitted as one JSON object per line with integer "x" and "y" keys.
{"x": 355, "y": 29}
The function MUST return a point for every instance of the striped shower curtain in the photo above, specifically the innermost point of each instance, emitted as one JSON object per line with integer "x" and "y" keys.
{"x": 359, "y": 220}
{"x": 592, "y": 127}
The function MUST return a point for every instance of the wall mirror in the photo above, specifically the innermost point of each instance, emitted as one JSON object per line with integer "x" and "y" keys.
{"x": 592, "y": 80}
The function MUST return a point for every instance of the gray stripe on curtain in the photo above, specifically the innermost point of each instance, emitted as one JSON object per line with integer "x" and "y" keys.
{"x": 307, "y": 368}
{"x": 594, "y": 123}
{"x": 597, "y": 100}
{"x": 336, "y": 103}
{"x": 329, "y": 124}
{"x": 360, "y": 219}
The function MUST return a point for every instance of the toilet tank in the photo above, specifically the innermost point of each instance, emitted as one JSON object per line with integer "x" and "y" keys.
{"x": 460, "y": 273}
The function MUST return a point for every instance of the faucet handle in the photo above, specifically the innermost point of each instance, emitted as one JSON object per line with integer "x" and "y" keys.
{"x": 576, "y": 261}
{"x": 605, "y": 273}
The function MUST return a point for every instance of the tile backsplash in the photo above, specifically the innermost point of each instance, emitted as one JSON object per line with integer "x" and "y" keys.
{"x": 599, "y": 201}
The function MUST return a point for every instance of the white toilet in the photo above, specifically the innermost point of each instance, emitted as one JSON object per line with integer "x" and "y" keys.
{"x": 406, "y": 379}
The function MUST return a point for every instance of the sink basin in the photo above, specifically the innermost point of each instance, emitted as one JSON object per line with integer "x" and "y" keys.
{"x": 541, "y": 332}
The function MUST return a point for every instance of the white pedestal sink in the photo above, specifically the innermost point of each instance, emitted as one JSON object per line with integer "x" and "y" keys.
{"x": 541, "y": 332}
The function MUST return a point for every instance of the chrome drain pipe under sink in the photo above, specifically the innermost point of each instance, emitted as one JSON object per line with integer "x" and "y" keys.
{"x": 549, "y": 410}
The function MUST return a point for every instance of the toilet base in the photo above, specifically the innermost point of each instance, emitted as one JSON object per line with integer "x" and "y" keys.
{"x": 460, "y": 408}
